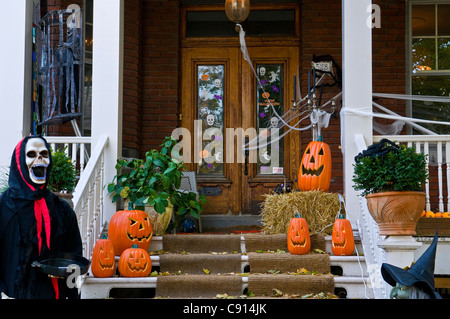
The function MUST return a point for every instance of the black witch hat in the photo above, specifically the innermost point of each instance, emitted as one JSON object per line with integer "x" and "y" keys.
{"x": 421, "y": 273}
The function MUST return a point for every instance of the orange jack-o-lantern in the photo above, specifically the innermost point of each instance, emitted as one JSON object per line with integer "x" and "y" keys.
{"x": 135, "y": 262}
{"x": 129, "y": 227}
{"x": 315, "y": 168}
{"x": 103, "y": 262}
{"x": 342, "y": 241}
{"x": 298, "y": 240}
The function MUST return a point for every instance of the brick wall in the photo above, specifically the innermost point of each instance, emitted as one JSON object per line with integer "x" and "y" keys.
{"x": 389, "y": 53}
{"x": 152, "y": 67}
{"x": 160, "y": 71}
{"x": 132, "y": 78}
{"x": 321, "y": 29}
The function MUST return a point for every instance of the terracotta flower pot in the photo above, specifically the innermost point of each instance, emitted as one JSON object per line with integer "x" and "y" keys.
{"x": 396, "y": 213}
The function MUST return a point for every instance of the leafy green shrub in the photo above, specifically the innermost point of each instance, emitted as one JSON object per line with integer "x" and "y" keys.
{"x": 154, "y": 181}
{"x": 63, "y": 175}
{"x": 400, "y": 170}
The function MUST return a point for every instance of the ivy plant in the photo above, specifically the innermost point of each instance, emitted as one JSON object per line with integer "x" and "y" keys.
{"x": 155, "y": 181}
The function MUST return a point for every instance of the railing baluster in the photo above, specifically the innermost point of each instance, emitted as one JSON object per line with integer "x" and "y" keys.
{"x": 74, "y": 153}
{"x": 447, "y": 159}
{"x": 82, "y": 163}
{"x": 427, "y": 183}
{"x": 440, "y": 181}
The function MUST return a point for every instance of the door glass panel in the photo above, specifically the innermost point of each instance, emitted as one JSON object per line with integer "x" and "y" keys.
{"x": 270, "y": 159}
{"x": 210, "y": 109}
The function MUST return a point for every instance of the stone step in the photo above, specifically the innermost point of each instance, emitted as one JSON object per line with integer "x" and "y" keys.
{"x": 226, "y": 258}
{"x": 209, "y": 286}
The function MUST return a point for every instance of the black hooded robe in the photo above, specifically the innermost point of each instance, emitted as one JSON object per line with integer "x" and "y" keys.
{"x": 19, "y": 240}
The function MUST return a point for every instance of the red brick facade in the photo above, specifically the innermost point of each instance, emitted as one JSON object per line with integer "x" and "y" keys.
{"x": 152, "y": 66}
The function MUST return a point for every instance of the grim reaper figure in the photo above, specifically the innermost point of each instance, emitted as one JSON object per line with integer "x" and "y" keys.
{"x": 34, "y": 223}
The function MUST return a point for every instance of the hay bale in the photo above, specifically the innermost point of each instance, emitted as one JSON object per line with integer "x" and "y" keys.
{"x": 320, "y": 210}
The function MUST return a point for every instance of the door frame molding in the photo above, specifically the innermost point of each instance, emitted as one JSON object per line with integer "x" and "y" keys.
{"x": 234, "y": 181}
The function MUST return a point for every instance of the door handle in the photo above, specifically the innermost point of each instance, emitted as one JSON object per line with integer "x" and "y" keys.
{"x": 246, "y": 155}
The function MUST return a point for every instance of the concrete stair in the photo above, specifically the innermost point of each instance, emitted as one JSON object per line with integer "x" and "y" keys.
{"x": 244, "y": 270}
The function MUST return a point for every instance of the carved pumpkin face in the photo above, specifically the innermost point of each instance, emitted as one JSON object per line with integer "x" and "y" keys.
{"x": 103, "y": 262}
{"x": 315, "y": 168}
{"x": 298, "y": 240}
{"x": 128, "y": 227}
{"x": 342, "y": 241}
{"x": 135, "y": 262}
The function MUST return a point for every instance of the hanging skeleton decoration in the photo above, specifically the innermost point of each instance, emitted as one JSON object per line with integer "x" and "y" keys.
{"x": 61, "y": 55}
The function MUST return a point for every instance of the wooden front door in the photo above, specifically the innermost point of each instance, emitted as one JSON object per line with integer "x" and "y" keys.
{"x": 227, "y": 113}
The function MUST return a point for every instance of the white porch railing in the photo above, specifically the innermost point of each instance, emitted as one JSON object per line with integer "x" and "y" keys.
{"x": 88, "y": 195}
{"x": 88, "y": 198}
{"x": 437, "y": 147}
{"x": 370, "y": 237}
{"x": 76, "y": 147}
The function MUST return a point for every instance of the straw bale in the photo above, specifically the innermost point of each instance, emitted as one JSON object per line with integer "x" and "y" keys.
{"x": 320, "y": 210}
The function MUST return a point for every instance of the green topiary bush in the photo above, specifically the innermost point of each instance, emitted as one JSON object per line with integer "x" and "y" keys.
{"x": 63, "y": 175}
{"x": 400, "y": 169}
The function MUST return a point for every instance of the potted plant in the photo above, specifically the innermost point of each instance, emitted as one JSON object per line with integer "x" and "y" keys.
{"x": 62, "y": 180}
{"x": 391, "y": 177}
{"x": 152, "y": 184}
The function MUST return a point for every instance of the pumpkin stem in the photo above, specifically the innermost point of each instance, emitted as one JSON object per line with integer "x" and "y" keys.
{"x": 104, "y": 236}
{"x": 130, "y": 205}
{"x": 134, "y": 246}
{"x": 341, "y": 216}
{"x": 298, "y": 215}
{"x": 320, "y": 138}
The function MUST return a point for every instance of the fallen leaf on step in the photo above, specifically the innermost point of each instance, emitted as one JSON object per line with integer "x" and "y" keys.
{"x": 206, "y": 271}
{"x": 273, "y": 271}
{"x": 277, "y": 292}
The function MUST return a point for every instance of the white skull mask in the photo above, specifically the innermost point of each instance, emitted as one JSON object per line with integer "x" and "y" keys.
{"x": 210, "y": 119}
{"x": 217, "y": 83}
{"x": 37, "y": 158}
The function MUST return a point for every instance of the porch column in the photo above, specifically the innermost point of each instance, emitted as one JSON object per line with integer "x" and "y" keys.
{"x": 15, "y": 75}
{"x": 399, "y": 251}
{"x": 357, "y": 90}
{"x": 107, "y": 73}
